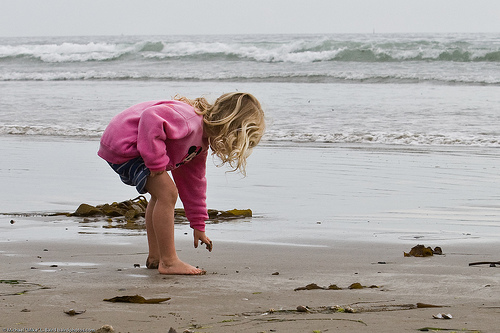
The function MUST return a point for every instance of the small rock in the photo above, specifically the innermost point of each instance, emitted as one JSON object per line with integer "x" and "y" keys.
{"x": 72, "y": 312}
{"x": 348, "y": 309}
{"x": 106, "y": 329}
{"x": 302, "y": 308}
{"x": 137, "y": 265}
{"x": 276, "y": 273}
{"x": 337, "y": 308}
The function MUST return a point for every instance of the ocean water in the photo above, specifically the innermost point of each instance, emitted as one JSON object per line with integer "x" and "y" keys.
{"x": 381, "y": 89}
{"x": 401, "y": 131}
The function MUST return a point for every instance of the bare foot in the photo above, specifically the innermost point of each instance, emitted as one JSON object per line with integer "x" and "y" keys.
{"x": 179, "y": 267}
{"x": 152, "y": 263}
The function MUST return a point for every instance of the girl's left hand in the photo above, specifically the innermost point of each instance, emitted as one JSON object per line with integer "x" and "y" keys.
{"x": 201, "y": 236}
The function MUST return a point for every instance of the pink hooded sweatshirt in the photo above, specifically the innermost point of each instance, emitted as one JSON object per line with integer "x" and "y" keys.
{"x": 168, "y": 135}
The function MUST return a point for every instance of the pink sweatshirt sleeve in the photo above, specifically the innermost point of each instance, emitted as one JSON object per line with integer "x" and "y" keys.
{"x": 157, "y": 124}
{"x": 191, "y": 183}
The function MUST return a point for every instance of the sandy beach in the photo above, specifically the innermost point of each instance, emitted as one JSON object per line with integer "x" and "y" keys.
{"x": 242, "y": 288}
{"x": 323, "y": 215}
{"x": 375, "y": 143}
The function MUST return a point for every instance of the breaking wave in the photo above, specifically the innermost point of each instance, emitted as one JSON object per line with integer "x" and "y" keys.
{"x": 448, "y": 59}
{"x": 294, "y": 49}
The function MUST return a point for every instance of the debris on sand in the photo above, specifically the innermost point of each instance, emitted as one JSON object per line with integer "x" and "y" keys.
{"x": 490, "y": 263}
{"x": 135, "y": 208}
{"x": 313, "y": 286}
{"x": 310, "y": 286}
{"x": 130, "y": 209}
{"x": 422, "y": 251}
{"x": 442, "y": 316}
{"x": 136, "y": 299}
{"x": 425, "y": 305}
{"x": 73, "y": 312}
{"x": 106, "y": 329}
{"x": 302, "y": 308}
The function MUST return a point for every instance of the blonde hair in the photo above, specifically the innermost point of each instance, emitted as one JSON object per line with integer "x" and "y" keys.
{"x": 234, "y": 125}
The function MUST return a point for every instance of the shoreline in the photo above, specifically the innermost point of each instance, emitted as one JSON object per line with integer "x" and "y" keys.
{"x": 325, "y": 216}
{"x": 314, "y": 192}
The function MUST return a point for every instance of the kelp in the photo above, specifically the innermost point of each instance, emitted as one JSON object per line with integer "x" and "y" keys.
{"x": 129, "y": 214}
{"x": 18, "y": 287}
{"x": 358, "y": 307}
{"x": 313, "y": 286}
{"x": 490, "y": 263}
{"x": 425, "y": 305}
{"x": 135, "y": 208}
{"x": 12, "y": 281}
{"x": 136, "y": 299}
{"x": 310, "y": 286}
{"x": 130, "y": 209}
{"x": 437, "y": 329}
{"x": 422, "y": 251}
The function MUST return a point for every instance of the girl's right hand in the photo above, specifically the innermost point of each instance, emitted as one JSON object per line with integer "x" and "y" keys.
{"x": 201, "y": 236}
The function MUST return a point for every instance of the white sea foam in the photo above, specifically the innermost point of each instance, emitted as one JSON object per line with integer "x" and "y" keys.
{"x": 65, "y": 52}
{"x": 403, "y": 138}
{"x": 295, "y": 49}
{"x": 54, "y": 131}
{"x": 406, "y": 138}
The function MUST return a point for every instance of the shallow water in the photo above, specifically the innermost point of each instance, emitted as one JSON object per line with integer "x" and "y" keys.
{"x": 303, "y": 194}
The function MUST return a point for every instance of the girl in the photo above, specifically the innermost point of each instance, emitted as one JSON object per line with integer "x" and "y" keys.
{"x": 148, "y": 139}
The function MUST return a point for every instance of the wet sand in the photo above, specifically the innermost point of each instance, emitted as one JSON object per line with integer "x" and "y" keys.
{"x": 242, "y": 286}
{"x": 324, "y": 215}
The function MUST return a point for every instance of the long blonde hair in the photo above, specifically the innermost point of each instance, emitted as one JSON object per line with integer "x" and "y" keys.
{"x": 234, "y": 125}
